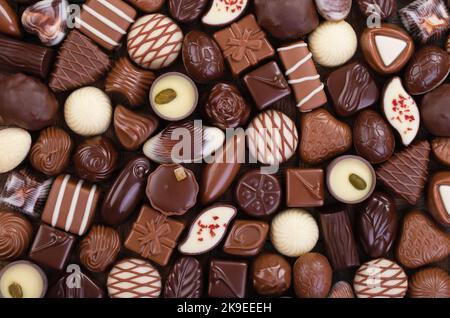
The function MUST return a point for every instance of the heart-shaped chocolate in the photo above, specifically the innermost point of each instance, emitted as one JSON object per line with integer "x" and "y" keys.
{"x": 9, "y": 23}
{"x": 47, "y": 19}
{"x": 421, "y": 241}
{"x": 323, "y": 137}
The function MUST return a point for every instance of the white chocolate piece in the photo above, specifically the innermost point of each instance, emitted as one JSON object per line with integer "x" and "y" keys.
{"x": 401, "y": 110}
{"x": 389, "y": 48}
{"x": 340, "y": 185}
{"x": 88, "y": 111}
{"x": 444, "y": 192}
{"x": 25, "y": 274}
{"x": 199, "y": 239}
{"x": 222, "y": 13}
{"x": 294, "y": 232}
{"x": 333, "y": 43}
{"x": 184, "y": 103}
{"x": 15, "y": 144}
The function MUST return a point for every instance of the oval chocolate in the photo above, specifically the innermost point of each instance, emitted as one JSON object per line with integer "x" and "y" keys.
{"x": 435, "y": 111}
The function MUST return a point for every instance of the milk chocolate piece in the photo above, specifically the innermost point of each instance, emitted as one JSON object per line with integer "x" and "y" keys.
{"x": 377, "y": 224}
{"x": 126, "y": 192}
{"x": 185, "y": 279}
{"x": 244, "y": 44}
{"x": 267, "y": 85}
{"x": 312, "y": 276}
{"x": 186, "y": 10}
{"x": 439, "y": 197}
{"x": 154, "y": 236}
{"x": 352, "y": 89}
{"x": 304, "y": 187}
{"x": 22, "y": 279}
{"x": 334, "y": 10}
{"x": 246, "y": 238}
{"x": 227, "y": 279}
{"x": 387, "y": 49}
{"x": 429, "y": 283}
{"x": 15, "y": 235}
{"x": 271, "y": 275}
{"x": 338, "y": 237}
{"x": 75, "y": 285}
{"x": 441, "y": 150}
{"x": 382, "y": 8}
{"x": 147, "y": 6}
{"x": 303, "y": 77}
{"x": 51, "y": 247}
{"x": 435, "y": 111}
{"x": 9, "y": 23}
{"x": 341, "y": 289}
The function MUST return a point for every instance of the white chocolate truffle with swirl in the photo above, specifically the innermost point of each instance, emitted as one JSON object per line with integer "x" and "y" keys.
{"x": 88, "y": 111}
{"x": 15, "y": 144}
{"x": 294, "y": 232}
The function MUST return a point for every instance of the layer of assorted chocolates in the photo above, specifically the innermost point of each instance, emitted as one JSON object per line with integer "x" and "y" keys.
{"x": 224, "y": 148}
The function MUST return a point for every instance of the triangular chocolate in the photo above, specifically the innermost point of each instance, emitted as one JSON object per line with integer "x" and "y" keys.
{"x": 406, "y": 172}
{"x": 80, "y": 62}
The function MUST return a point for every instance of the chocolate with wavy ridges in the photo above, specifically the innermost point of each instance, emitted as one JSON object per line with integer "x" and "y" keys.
{"x": 385, "y": 8}
{"x": 430, "y": 283}
{"x": 186, "y": 10}
{"x": 50, "y": 153}
{"x": 15, "y": 235}
{"x": 185, "y": 279}
{"x": 341, "y": 289}
{"x": 129, "y": 82}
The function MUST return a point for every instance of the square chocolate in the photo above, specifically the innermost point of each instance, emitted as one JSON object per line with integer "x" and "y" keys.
{"x": 304, "y": 187}
{"x": 227, "y": 279}
{"x": 154, "y": 235}
{"x": 267, "y": 85}
{"x": 244, "y": 44}
{"x": 51, "y": 247}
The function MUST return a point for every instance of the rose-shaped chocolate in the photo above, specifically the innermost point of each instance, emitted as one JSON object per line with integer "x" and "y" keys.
{"x": 226, "y": 108}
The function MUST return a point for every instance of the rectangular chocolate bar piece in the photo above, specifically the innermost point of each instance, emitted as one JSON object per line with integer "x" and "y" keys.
{"x": 227, "y": 279}
{"x": 304, "y": 188}
{"x": 303, "y": 77}
{"x": 71, "y": 204}
{"x": 154, "y": 235}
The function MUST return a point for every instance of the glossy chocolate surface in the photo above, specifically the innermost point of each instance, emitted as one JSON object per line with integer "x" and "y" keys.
{"x": 272, "y": 274}
{"x": 435, "y": 111}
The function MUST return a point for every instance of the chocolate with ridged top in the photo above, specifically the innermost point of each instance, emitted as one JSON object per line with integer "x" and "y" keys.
{"x": 429, "y": 283}
{"x": 15, "y": 235}
{"x": 185, "y": 279}
{"x": 186, "y": 10}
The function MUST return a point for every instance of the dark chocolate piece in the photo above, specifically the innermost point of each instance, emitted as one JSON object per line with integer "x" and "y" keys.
{"x": 304, "y": 187}
{"x": 435, "y": 111}
{"x": 185, "y": 279}
{"x": 246, "y": 238}
{"x": 75, "y": 285}
{"x": 441, "y": 150}
{"x": 439, "y": 197}
{"x": 382, "y": 8}
{"x": 271, "y": 275}
{"x": 312, "y": 276}
{"x": 227, "y": 279}
{"x": 9, "y": 23}
{"x": 148, "y": 6}
{"x": 15, "y": 235}
{"x": 186, "y": 10}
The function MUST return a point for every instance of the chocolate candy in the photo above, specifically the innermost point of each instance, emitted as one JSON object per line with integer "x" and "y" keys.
{"x": 51, "y": 247}
{"x": 304, "y": 187}
{"x": 222, "y": 13}
{"x": 227, "y": 279}
{"x": 99, "y": 248}
{"x": 401, "y": 110}
{"x": 377, "y": 224}
{"x": 15, "y": 144}
{"x": 47, "y": 19}
{"x": 243, "y": 44}
{"x": 352, "y": 89}
{"x": 382, "y": 8}
{"x": 154, "y": 41}
{"x": 9, "y": 23}
{"x": 126, "y": 192}
{"x": 226, "y": 108}
{"x": 421, "y": 241}
{"x": 387, "y": 49}
{"x": 372, "y": 137}
{"x": 25, "y": 192}
{"x": 77, "y": 285}
{"x": 15, "y": 235}
{"x": 272, "y": 137}
{"x": 71, "y": 204}
{"x": 246, "y": 238}
{"x": 95, "y": 159}
{"x": 27, "y": 102}
{"x": 106, "y": 24}
{"x": 202, "y": 57}
{"x": 333, "y": 10}
{"x": 323, "y": 137}
{"x": 406, "y": 172}
{"x": 24, "y": 57}
{"x": 147, "y": 6}
{"x": 134, "y": 278}
{"x": 429, "y": 283}
{"x": 439, "y": 197}
{"x": 154, "y": 236}
{"x": 129, "y": 82}
{"x": 341, "y": 289}
{"x": 51, "y": 152}
{"x": 219, "y": 174}
{"x": 426, "y": 20}
{"x": 271, "y": 275}
{"x": 208, "y": 229}
{"x": 185, "y": 279}
{"x": 303, "y": 77}
{"x": 80, "y": 62}
{"x": 435, "y": 111}
{"x": 289, "y": 20}
{"x": 186, "y": 10}
{"x": 338, "y": 237}
{"x": 380, "y": 278}
{"x": 22, "y": 279}
{"x": 132, "y": 129}
{"x": 258, "y": 194}
{"x": 428, "y": 68}
{"x": 172, "y": 189}
{"x": 312, "y": 276}
{"x": 441, "y": 150}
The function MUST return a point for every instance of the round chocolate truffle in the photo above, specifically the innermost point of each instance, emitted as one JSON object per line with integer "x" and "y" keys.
{"x": 22, "y": 279}
{"x": 312, "y": 276}
{"x": 429, "y": 283}
{"x": 271, "y": 275}
{"x": 435, "y": 111}
{"x": 15, "y": 235}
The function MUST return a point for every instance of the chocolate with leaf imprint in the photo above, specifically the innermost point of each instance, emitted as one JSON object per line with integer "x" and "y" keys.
{"x": 186, "y": 10}
{"x": 185, "y": 279}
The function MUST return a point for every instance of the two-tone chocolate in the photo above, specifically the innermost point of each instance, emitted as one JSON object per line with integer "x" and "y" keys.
{"x": 439, "y": 197}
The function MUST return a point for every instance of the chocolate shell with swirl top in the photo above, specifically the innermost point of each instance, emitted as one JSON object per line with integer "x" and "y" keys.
{"x": 15, "y": 235}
